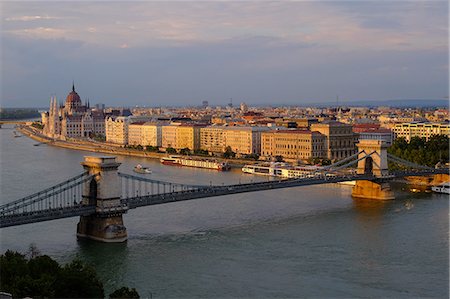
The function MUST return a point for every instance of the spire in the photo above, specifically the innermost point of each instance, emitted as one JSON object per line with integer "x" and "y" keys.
{"x": 73, "y": 86}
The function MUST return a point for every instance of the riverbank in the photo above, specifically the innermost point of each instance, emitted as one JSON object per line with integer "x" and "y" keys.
{"x": 98, "y": 147}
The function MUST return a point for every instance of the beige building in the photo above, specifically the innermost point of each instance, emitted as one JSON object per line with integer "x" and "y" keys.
{"x": 116, "y": 129}
{"x": 340, "y": 139}
{"x": 420, "y": 129}
{"x": 144, "y": 133}
{"x": 188, "y": 136}
{"x": 212, "y": 139}
{"x": 293, "y": 144}
{"x": 244, "y": 140}
{"x": 169, "y": 135}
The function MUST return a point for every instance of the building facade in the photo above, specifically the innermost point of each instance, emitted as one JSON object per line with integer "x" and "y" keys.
{"x": 116, "y": 129}
{"x": 73, "y": 119}
{"x": 293, "y": 145}
{"x": 244, "y": 140}
{"x": 340, "y": 139}
{"x": 420, "y": 129}
{"x": 188, "y": 136}
{"x": 212, "y": 139}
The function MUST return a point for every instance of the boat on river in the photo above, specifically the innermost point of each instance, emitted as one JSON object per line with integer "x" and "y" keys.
{"x": 141, "y": 169}
{"x": 442, "y": 188}
{"x": 195, "y": 162}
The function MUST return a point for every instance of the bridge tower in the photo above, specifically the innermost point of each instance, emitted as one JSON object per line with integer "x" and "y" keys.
{"x": 375, "y": 164}
{"x": 103, "y": 191}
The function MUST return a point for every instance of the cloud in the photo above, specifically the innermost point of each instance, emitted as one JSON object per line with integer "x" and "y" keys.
{"x": 30, "y": 18}
{"x": 39, "y": 32}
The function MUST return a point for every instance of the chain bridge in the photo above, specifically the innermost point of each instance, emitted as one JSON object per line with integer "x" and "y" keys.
{"x": 101, "y": 194}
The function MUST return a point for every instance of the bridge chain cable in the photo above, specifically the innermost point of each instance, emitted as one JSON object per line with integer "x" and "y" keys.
{"x": 407, "y": 163}
{"x": 344, "y": 160}
{"x": 62, "y": 193}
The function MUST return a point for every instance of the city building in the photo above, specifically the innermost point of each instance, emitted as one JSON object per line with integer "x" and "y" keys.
{"x": 420, "y": 129}
{"x": 212, "y": 139}
{"x": 244, "y": 140}
{"x": 145, "y": 134}
{"x": 169, "y": 135}
{"x": 188, "y": 136}
{"x": 293, "y": 145}
{"x": 116, "y": 129}
{"x": 340, "y": 139}
{"x": 73, "y": 120}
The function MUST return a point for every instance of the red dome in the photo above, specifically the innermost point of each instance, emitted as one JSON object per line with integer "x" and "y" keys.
{"x": 73, "y": 99}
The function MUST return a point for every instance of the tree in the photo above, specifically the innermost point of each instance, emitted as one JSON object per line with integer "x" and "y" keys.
{"x": 41, "y": 276}
{"x": 229, "y": 153}
{"x": 77, "y": 280}
{"x": 185, "y": 151}
{"x": 279, "y": 158}
{"x": 171, "y": 150}
{"x": 124, "y": 292}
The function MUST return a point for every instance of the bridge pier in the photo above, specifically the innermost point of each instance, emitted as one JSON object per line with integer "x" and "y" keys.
{"x": 376, "y": 164}
{"x": 372, "y": 190}
{"x": 103, "y": 191}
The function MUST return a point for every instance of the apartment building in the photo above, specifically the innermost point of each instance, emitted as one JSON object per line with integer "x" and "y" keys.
{"x": 145, "y": 134}
{"x": 293, "y": 145}
{"x": 212, "y": 139}
{"x": 340, "y": 139}
{"x": 244, "y": 140}
{"x": 116, "y": 129}
{"x": 188, "y": 136}
{"x": 420, "y": 129}
{"x": 169, "y": 135}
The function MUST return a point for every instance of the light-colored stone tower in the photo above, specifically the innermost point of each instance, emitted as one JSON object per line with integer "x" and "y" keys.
{"x": 103, "y": 191}
{"x": 377, "y": 163}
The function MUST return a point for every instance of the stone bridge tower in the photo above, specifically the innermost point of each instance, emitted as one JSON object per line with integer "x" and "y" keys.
{"x": 376, "y": 164}
{"x": 103, "y": 191}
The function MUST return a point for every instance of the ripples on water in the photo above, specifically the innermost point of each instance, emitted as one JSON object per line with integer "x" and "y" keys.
{"x": 301, "y": 242}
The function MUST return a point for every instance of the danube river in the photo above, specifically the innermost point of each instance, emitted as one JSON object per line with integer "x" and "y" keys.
{"x": 300, "y": 242}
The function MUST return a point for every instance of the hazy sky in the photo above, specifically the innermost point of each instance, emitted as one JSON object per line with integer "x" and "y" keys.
{"x": 180, "y": 53}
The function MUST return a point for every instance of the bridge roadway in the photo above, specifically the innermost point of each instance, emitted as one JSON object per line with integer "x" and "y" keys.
{"x": 201, "y": 192}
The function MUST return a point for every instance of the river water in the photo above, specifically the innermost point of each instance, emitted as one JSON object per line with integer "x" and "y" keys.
{"x": 299, "y": 242}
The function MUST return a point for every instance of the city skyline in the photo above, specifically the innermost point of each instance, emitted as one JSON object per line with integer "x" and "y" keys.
{"x": 153, "y": 53}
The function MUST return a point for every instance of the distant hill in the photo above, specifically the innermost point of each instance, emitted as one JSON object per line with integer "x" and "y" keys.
{"x": 405, "y": 103}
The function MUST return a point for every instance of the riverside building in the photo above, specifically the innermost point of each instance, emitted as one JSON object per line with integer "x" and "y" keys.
{"x": 293, "y": 145}
{"x": 244, "y": 140}
{"x": 340, "y": 139}
{"x": 73, "y": 119}
{"x": 420, "y": 129}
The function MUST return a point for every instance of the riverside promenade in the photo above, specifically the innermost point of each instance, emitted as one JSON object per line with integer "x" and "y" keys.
{"x": 102, "y": 147}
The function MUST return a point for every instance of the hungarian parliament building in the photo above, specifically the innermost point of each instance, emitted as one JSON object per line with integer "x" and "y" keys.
{"x": 73, "y": 119}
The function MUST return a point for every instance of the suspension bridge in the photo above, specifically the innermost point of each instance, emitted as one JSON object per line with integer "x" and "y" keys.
{"x": 101, "y": 194}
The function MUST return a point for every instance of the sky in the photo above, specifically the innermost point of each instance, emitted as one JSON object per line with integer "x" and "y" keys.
{"x": 176, "y": 53}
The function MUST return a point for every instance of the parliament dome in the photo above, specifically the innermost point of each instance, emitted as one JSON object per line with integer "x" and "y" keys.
{"x": 73, "y": 99}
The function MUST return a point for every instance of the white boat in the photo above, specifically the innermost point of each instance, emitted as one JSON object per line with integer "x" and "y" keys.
{"x": 442, "y": 188}
{"x": 195, "y": 162}
{"x": 141, "y": 169}
{"x": 284, "y": 170}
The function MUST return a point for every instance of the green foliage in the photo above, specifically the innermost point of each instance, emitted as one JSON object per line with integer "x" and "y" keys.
{"x": 185, "y": 151}
{"x": 420, "y": 151}
{"x": 229, "y": 153}
{"x": 171, "y": 150}
{"x": 201, "y": 152}
{"x": 150, "y": 148}
{"x": 77, "y": 280}
{"x": 41, "y": 276}
{"x": 252, "y": 156}
{"x": 279, "y": 158}
{"x": 37, "y": 125}
{"x": 124, "y": 292}
{"x": 326, "y": 162}
{"x": 18, "y": 113}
